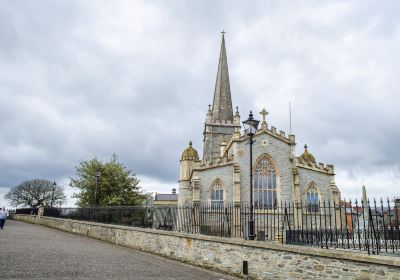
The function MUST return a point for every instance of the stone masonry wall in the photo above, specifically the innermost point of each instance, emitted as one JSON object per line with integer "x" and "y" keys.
{"x": 280, "y": 153}
{"x": 207, "y": 177}
{"x": 267, "y": 260}
{"x": 322, "y": 180}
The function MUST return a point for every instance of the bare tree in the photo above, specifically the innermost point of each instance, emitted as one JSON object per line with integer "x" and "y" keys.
{"x": 35, "y": 193}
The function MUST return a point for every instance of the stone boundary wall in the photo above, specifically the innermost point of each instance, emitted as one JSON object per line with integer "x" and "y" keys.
{"x": 267, "y": 260}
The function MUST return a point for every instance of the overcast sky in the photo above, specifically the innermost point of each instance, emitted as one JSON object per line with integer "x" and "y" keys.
{"x": 84, "y": 79}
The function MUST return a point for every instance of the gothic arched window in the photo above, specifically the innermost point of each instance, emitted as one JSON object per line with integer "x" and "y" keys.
{"x": 217, "y": 194}
{"x": 265, "y": 184}
{"x": 312, "y": 197}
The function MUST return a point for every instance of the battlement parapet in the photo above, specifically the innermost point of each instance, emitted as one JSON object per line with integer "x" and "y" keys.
{"x": 290, "y": 139}
{"x": 273, "y": 131}
{"x": 320, "y": 167}
{"x": 220, "y": 162}
{"x": 234, "y": 123}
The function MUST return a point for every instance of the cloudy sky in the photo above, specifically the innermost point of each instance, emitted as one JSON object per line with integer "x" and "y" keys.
{"x": 84, "y": 79}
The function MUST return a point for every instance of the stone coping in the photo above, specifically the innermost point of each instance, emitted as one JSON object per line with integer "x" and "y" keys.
{"x": 340, "y": 254}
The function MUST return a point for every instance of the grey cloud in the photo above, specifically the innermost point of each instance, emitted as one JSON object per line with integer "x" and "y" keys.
{"x": 80, "y": 80}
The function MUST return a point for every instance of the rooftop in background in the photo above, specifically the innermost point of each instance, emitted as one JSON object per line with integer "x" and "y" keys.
{"x": 166, "y": 196}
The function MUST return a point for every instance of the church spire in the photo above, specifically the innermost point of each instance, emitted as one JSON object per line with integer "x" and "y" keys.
{"x": 222, "y": 104}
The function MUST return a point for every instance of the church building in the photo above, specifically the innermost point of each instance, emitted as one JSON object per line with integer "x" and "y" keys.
{"x": 220, "y": 176}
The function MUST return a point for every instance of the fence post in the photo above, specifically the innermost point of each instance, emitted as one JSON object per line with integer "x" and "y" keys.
{"x": 40, "y": 214}
{"x": 237, "y": 231}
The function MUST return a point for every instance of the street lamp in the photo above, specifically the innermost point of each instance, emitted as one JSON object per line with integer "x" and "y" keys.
{"x": 97, "y": 175}
{"x": 52, "y": 195}
{"x": 251, "y": 128}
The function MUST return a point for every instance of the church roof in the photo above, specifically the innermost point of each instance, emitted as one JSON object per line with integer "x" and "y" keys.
{"x": 190, "y": 153}
{"x": 307, "y": 157}
{"x": 222, "y": 103}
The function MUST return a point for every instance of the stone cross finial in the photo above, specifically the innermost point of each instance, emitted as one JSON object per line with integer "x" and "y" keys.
{"x": 264, "y": 113}
{"x": 223, "y": 32}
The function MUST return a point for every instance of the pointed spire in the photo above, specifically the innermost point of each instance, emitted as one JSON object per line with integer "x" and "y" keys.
{"x": 222, "y": 104}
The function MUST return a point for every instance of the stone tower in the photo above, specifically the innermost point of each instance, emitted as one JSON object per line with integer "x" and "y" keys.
{"x": 188, "y": 160}
{"x": 220, "y": 121}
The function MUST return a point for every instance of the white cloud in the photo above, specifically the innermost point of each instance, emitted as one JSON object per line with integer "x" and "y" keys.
{"x": 379, "y": 183}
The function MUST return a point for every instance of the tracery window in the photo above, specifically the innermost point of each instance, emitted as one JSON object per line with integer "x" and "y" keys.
{"x": 217, "y": 194}
{"x": 265, "y": 185}
{"x": 312, "y": 198}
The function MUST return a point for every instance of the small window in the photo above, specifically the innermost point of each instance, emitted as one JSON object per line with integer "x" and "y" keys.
{"x": 217, "y": 194}
{"x": 312, "y": 198}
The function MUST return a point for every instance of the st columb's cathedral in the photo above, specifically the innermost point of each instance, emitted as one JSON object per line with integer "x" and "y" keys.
{"x": 221, "y": 176}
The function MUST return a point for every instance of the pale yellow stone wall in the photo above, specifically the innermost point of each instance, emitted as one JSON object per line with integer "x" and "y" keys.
{"x": 267, "y": 260}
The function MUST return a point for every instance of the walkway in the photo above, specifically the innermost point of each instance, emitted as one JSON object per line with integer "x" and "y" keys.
{"x": 35, "y": 252}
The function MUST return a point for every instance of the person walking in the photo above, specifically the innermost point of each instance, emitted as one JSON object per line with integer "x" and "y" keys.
{"x": 3, "y": 216}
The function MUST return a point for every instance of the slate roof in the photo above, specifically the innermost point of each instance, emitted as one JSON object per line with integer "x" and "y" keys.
{"x": 166, "y": 196}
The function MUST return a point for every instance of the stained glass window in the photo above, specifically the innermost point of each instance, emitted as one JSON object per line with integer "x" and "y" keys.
{"x": 265, "y": 189}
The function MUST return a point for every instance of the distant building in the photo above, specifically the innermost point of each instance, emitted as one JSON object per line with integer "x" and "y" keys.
{"x": 165, "y": 209}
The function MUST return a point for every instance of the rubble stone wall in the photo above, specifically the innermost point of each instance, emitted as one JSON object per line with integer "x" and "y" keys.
{"x": 267, "y": 260}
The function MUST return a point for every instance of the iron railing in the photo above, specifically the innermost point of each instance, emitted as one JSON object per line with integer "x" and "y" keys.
{"x": 27, "y": 211}
{"x": 372, "y": 226}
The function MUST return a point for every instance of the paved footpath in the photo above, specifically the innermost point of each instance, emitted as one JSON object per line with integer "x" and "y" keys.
{"x": 30, "y": 251}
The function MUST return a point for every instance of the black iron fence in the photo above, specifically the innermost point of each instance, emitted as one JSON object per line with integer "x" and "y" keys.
{"x": 27, "y": 211}
{"x": 371, "y": 226}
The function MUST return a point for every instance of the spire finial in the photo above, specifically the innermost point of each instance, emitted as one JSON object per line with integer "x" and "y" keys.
{"x": 223, "y": 33}
{"x": 305, "y": 147}
{"x": 190, "y": 143}
{"x": 237, "y": 111}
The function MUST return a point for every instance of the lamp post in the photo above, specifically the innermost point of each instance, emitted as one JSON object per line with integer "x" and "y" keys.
{"x": 121, "y": 194}
{"x": 251, "y": 128}
{"x": 52, "y": 195}
{"x": 97, "y": 175}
